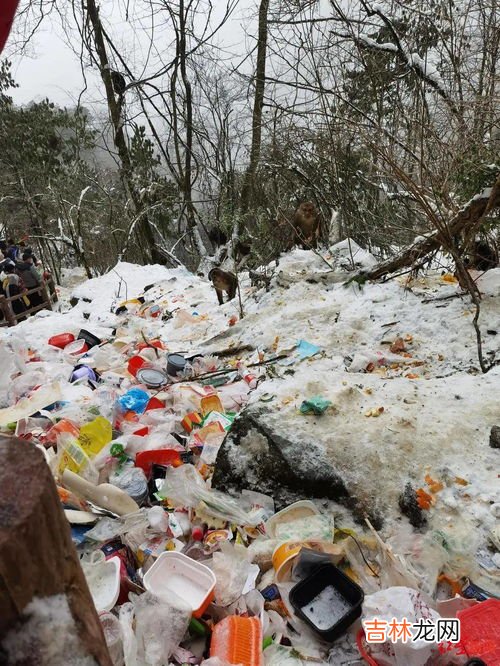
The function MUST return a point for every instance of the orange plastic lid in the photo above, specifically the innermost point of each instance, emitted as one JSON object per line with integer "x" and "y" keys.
{"x": 238, "y": 640}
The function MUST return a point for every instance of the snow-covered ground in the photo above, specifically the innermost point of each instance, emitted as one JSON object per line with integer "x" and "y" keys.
{"x": 438, "y": 408}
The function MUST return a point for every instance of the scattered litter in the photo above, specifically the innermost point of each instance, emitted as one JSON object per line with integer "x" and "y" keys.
{"x": 315, "y": 405}
{"x": 132, "y": 415}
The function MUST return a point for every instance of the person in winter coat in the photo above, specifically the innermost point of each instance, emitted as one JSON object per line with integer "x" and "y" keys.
{"x": 12, "y": 250}
{"x": 31, "y": 277}
{"x": 13, "y": 286}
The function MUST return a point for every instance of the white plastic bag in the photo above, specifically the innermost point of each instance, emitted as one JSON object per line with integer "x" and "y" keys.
{"x": 234, "y": 573}
{"x": 126, "y": 617}
{"x": 184, "y": 486}
{"x": 399, "y": 603}
{"x": 159, "y": 627}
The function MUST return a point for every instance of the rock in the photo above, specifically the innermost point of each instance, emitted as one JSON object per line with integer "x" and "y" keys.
{"x": 74, "y": 300}
{"x": 362, "y": 463}
{"x": 260, "y": 456}
{"x": 409, "y": 506}
{"x": 495, "y": 437}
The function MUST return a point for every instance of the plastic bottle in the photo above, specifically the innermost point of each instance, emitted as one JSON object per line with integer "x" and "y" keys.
{"x": 113, "y": 635}
{"x": 244, "y": 373}
{"x": 198, "y": 531}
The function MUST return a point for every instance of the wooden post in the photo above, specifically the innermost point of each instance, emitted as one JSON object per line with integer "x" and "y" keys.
{"x": 7, "y": 312}
{"x": 45, "y": 296}
{"x": 37, "y": 556}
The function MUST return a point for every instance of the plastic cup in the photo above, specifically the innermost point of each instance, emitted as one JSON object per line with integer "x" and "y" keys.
{"x": 61, "y": 340}
{"x": 76, "y": 348}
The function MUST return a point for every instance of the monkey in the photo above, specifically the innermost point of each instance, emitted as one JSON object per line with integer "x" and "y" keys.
{"x": 242, "y": 249}
{"x": 480, "y": 255}
{"x": 223, "y": 281}
{"x": 306, "y": 224}
{"x": 54, "y": 142}
{"x": 119, "y": 83}
{"x": 484, "y": 256}
{"x": 217, "y": 236}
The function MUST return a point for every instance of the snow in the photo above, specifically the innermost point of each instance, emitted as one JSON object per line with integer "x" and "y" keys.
{"x": 326, "y": 608}
{"x": 427, "y": 68}
{"x": 47, "y": 636}
{"x": 124, "y": 281}
{"x": 485, "y": 194}
{"x": 385, "y": 46}
{"x": 348, "y": 254}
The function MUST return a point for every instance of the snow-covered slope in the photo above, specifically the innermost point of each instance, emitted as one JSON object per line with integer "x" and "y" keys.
{"x": 437, "y": 407}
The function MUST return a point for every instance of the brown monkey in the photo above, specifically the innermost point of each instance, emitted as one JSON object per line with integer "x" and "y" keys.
{"x": 484, "y": 256}
{"x": 223, "y": 281}
{"x": 306, "y": 224}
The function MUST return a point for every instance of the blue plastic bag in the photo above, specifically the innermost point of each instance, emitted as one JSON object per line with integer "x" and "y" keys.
{"x": 134, "y": 400}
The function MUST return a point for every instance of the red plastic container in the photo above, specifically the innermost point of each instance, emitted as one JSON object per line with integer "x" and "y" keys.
{"x": 480, "y": 631}
{"x": 238, "y": 640}
{"x": 167, "y": 457}
{"x": 134, "y": 364}
{"x": 61, "y": 340}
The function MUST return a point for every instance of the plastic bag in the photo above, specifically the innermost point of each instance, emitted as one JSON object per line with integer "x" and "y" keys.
{"x": 315, "y": 405}
{"x": 134, "y": 400}
{"x": 232, "y": 571}
{"x": 40, "y": 399}
{"x": 425, "y": 556}
{"x": 95, "y": 435}
{"x": 159, "y": 626}
{"x": 22, "y": 385}
{"x": 280, "y": 655}
{"x": 106, "y": 529}
{"x": 126, "y": 618}
{"x": 399, "y": 603}
{"x": 71, "y": 456}
{"x": 184, "y": 486}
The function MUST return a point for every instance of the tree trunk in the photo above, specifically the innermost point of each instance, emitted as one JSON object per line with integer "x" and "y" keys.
{"x": 37, "y": 556}
{"x": 260, "y": 82}
{"x": 465, "y": 220}
{"x": 119, "y": 133}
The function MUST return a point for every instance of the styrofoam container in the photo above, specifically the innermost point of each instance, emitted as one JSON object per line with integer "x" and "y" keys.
{"x": 175, "y": 573}
{"x": 295, "y": 511}
{"x": 103, "y": 579}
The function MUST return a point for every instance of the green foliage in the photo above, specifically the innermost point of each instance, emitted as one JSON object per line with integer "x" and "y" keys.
{"x": 475, "y": 174}
{"x": 157, "y": 191}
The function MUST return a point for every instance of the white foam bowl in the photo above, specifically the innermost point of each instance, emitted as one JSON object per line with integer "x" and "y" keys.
{"x": 103, "y": 579}
{"x": 176, "y": 574}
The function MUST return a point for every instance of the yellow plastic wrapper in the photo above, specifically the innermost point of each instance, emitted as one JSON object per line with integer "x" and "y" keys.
{"x": 95, "y": 435}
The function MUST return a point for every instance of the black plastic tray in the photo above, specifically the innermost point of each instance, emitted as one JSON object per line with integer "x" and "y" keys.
{"x": 309, "y": 588}
{"x": 91, "y": 339}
